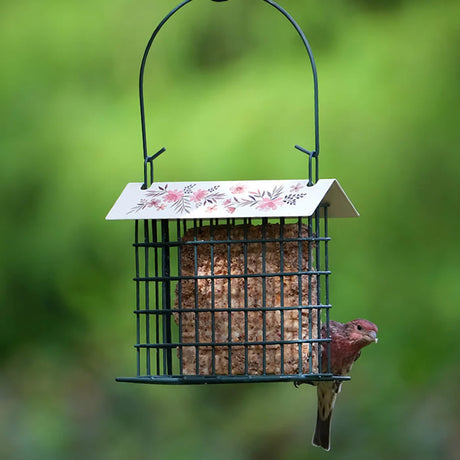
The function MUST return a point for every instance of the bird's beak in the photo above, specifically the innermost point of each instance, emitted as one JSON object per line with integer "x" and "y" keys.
{"x": 373, "y": 336}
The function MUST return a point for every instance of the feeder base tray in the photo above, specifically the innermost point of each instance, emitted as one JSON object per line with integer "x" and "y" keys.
{"x": 201, "y": 379}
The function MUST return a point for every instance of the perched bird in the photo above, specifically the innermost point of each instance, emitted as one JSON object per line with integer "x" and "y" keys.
{"x": 347, "y": 340}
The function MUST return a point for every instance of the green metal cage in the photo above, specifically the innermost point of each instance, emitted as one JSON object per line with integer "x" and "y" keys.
{"x": 161, "y": 346}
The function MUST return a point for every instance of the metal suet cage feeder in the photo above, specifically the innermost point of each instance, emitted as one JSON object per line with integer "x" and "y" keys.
{"x": 232, "y": 278}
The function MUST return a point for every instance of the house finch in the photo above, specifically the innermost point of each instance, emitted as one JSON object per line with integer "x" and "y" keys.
{"x": 347, "y": 340}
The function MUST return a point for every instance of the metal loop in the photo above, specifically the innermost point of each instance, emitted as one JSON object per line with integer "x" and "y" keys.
{"x": 312, "y": 154}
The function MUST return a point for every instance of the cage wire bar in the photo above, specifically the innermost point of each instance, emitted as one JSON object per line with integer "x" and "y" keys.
{"x": 167, "y": 351}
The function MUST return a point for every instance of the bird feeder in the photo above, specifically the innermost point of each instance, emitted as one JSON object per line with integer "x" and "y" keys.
{"x": 232, "y": 278}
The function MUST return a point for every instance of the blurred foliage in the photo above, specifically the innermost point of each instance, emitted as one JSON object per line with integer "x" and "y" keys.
{"x": 229, "y": 94}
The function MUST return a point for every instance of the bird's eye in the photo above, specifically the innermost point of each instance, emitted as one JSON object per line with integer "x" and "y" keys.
{"x": 359, "y": 327}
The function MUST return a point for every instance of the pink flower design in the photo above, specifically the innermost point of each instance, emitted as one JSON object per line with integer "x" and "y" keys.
{"x": 269, "y": 204}
{"x": 228, "y": 208}
{"x": 160, "y": 206}
{"x": 174, "y": 195}
{"x": 212, "y": 208}
{"x": 152, "y": 203}
{"x": 297, "y": 187}
{"x": 199, "y": 195}
{"x": 238, "y": 189}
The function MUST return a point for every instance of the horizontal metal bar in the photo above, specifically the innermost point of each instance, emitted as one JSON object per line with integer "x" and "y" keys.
{"x": 228, "y": 241}
{"x": 213, "y": 379}
{"x": 240, "y": 275}
{"x": 229, "y": 309}
{"x": 228, "y": 344}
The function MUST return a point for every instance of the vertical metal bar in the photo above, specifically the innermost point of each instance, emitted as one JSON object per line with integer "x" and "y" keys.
{"x": 197, "y": 320}
{"x": 264, "y": 295}
{"x": 157, "y": 318}
{"x": 300, "y": 268}
{"x": 153, "y": 287}
{"x": 310, "y": 277}
{"x": 229, "y": 293}
{"x": 281, "y": 247}
{"x": 246, "y": 222}
{"x": 166, "y": 297}
{"x": 138, "y": 297}
{"x": 147, "y": 294}
{"x": 317, "y": 166}
{"x": 179, "y": 290}
{"x": 326, "y": 261}
{"x": 318, "y": 256}
{"x": 318, "y": 283}
{"x": 213, "y": 301}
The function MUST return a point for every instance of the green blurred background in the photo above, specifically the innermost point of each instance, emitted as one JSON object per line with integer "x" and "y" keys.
{"x": 229, "y": 93}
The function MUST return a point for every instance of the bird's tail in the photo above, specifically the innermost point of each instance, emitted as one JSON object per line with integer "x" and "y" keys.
{"x": 327, "y": 393}
{"x": 322, "y": 435}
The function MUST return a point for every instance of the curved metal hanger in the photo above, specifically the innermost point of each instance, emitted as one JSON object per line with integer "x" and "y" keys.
{"x": 148, "y": 160}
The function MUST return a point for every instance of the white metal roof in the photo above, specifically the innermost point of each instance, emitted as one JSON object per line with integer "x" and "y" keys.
{"x": 230, "y": 199}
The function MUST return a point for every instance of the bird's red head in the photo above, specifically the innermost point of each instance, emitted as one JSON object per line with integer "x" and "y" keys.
{"x": 362, "y": 332}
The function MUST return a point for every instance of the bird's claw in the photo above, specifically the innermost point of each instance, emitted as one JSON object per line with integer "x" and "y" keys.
{"x": 297, "y": 383}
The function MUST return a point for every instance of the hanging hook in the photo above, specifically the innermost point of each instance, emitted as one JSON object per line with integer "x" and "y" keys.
{"x": 149, "y": 159}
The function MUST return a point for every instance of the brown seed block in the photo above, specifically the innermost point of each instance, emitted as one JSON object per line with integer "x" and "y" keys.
{"x": 235, "y": 315}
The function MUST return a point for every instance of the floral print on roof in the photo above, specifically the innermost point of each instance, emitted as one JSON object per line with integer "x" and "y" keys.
{"x": 213, "y": 199}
